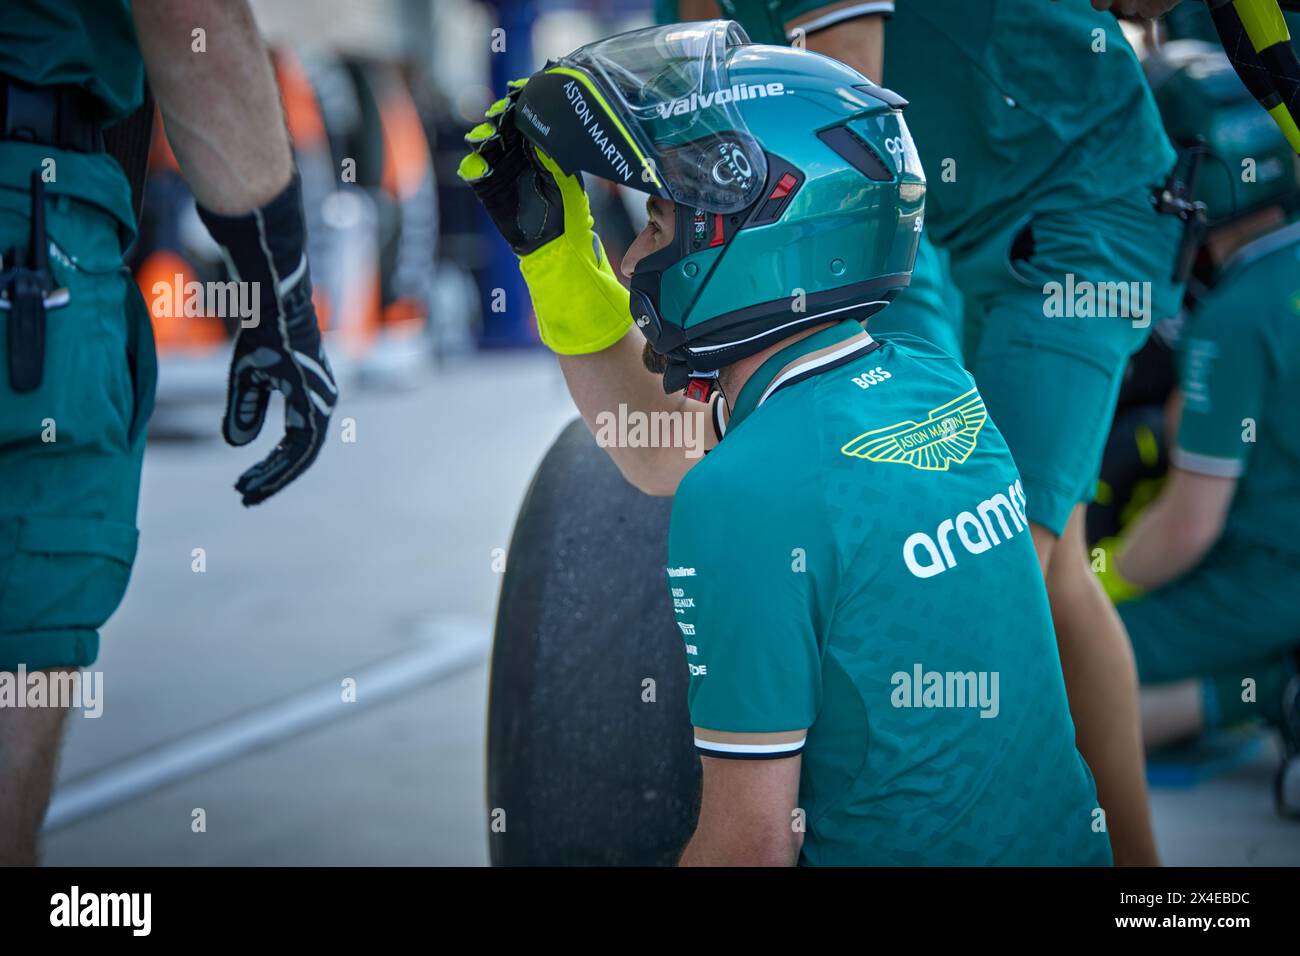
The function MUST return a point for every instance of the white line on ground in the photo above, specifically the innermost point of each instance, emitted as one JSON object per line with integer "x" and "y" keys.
{"x": 449, "y": 645}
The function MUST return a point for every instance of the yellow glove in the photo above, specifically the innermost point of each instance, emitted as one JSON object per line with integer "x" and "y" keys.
{"x": 581, "y": 306}
{"x": 1118, "y": 588}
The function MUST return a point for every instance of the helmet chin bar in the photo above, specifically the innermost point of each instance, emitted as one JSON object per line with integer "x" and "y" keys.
{"x": 667, "y": 339}
{"x": 730, "y": 337}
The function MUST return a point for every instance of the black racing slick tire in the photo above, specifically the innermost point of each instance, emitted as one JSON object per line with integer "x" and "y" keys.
{"x": 590, "y": 756}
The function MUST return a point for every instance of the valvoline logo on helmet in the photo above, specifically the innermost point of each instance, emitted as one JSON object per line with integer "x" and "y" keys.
{"x": 736, "y": 93}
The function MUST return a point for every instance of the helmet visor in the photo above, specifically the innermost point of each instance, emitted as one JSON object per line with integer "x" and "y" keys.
{"x": 654, "y": 110}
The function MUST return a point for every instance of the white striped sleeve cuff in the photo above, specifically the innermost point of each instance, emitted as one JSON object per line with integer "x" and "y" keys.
{"x": 1208, "y": 464}
{"x": 753, "y": 746}
{"x": 868, "y": 8}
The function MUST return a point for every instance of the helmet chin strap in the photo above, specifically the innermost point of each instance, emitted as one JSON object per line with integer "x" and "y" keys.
{"x": 698, "y": 385}
{"x": 701, "y": 385}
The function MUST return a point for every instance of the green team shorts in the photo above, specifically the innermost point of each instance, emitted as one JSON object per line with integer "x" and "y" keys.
{"x": 1239, "y": 606}
{"x": 70, "y": 451}
{"x": 1047, "y": 363}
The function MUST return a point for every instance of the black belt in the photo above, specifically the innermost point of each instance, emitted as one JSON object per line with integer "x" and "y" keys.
{"x": 65, "y": 117}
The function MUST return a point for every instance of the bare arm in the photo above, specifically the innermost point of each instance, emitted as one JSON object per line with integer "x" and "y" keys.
{"x": 859, "y": 43}
{"x": 1177, "y": 530}
{"x": 221, "y": 107}
{"x": 1136, "y": 8}
{"x": 689, "y": 10}
{"x": 747, "y": 814}
{"x": 602, "y": 381}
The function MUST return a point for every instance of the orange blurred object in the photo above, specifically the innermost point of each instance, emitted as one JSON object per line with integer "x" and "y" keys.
{"x": 161, "y": 157}
{"x": 164, "y": 273}
{"x": 404, "y": 316}
{"x": 406, "y": 148}
{"x": 301, "y": 109}
{"x": 320, "y": 300}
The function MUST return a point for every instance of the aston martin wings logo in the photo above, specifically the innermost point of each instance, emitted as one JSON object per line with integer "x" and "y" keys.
{"x": 949, "y": 434}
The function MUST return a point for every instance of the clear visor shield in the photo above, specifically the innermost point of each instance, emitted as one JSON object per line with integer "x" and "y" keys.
{"x": 655, "y": 110}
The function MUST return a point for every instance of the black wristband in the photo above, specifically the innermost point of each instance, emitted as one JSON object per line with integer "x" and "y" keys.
{"x": 266, "y": 245}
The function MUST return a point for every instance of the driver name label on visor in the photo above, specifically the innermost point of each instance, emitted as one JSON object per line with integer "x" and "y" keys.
{"x": 536, "y": 120}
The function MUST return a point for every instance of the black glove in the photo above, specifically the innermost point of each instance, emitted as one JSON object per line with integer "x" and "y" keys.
{"x": 518, "y": 192}
{"x": 580, "y": 305}
{"x": 280, "y": 348}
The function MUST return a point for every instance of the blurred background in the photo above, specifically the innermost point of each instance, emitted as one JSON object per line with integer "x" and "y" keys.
{"x": 223, "y": 668}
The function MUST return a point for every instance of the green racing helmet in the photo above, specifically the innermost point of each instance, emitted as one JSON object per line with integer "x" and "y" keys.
{"x": 1202, "y": 100}
{"x": 798, "y": 190}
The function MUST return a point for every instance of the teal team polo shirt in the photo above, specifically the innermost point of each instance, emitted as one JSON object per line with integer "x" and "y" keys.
{"x": 1240, "y": 376}
{"x": 853, "y": 576}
